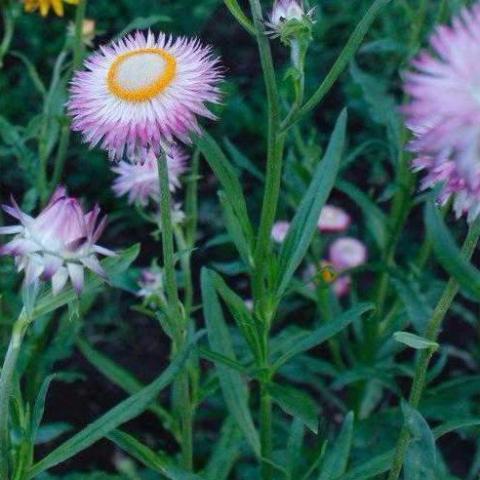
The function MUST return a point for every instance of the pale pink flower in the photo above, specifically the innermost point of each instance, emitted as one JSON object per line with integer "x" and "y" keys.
{"x": 444, "y": 112}
{"x": 143, "y": 92}
{"x": 346, "y": 252}
{"x": 342, "y": 285}
{"x": 58, "y": 244}
{"x": 280, "y": 230}
{"x": 140, "y": 180}
{"x": 333, "y": 219}
{"x": 284, "y": 11}
{"x": 150, "y": 282}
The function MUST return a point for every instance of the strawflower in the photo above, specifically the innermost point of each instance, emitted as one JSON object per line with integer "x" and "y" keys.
{"x": 333, "y": 219}
{"x": 144, "y": 92}
{"x": 45, "y": 5}
{"x": 58, "y": 244}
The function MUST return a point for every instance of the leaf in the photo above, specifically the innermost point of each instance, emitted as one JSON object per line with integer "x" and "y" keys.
{"x": 216, "y": 357}
{"x": 143, "y": 23}
{"x": 120, "y": 414}
{"x": 374, "y": 217}
{"x": 32, "y": 71}
{"x": 304, "y": 223}
{"x": 415, "y": 341}
{"x": 225, "y": 453}
{"x": 113, "y": 266}
{"x": 239, "y": 311}
{"x": 371, "y": 468}
{"x": 228, "y": 178}
{"x": 233, "y": 387}
{"x": 421, "y": 457}
{"x": 336, "y": 458}
{"x": 296, "y": 403}
{"x": 448, "y": 254}
{"x": 346, "y": 55}
{"x": 39, "y": 407}
{"x": 235, "y": 231}
{"x": 243, "y": 161}
{"x": 317, "y": 337}
{"x": 121, "y": 377}
{"x": 156, "y": 461}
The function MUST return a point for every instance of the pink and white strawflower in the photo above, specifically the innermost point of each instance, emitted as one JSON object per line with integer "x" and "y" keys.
{"x": 280, "y": 230}
{"x": 444, "y": 112}
{"x": 342, "y": 285}
{"x": 333, "y": 219}
{"x": 144, "y": 92}
{"x": 346, "y": 253}
{"x": 140, "y": 180}
{"x": 58, "y": 244}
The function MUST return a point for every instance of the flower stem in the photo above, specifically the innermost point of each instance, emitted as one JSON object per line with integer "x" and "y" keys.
{"x": 176, "y": 315}
{"x": 8, "y": 29}
{"x": 433, "y": 329}
{"x": 266, "y": 470}
{"x": 78, "y": 52}
{"x": 275, "y": 143}
{"x": 6, "y": 387}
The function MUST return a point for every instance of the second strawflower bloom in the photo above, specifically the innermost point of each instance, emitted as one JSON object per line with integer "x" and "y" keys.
{"x": 444, "y": 112}
{"x": 58, "y": 244}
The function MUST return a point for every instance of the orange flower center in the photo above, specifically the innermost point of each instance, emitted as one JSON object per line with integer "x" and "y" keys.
{"x": 141, "y": 75}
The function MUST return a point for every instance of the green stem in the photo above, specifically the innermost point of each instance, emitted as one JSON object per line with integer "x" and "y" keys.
{"x": 6, "y": 387}
{"x": 433, "y": 329}
{"x": 175, "y": 313}
{"x": 185, "y": 262}
{"x": 266, "y": 470}
{"x": 78, "y": 53}
{"x": 275, "y": 143}
{"x": 8, "y": 29}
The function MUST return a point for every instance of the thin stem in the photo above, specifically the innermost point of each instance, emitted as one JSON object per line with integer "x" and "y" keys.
{"x": 433, "y": 329}
{"x": 78, "y": 53}
{"x": 185, "y": 262}
{"x": 266, "y": 470}
{"x": 8, "y": 30}
{"x": 6, "y": 387}
{"x": 275, "y": 144}
{"x": 176, "y": 316}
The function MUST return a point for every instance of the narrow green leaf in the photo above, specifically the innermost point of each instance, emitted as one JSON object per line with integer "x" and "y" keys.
{"x": 421, "y": 458}
{"x": 243, "y": 161}
{"x": 216, "y": 357}
{"x": 296, "y": 403}
{"x": 304, "y": 224}
{"x": 225, "y": 453}
{"x": 122, "y": 413}
{"x": 415, "y": 341}
{"x": 156, "y": 461}
{"x": 235, "y": 231}
{"x": 237, "y": 12}
{"x": 336, "y": 458}
{"x": 349, "y": 50}
{"x": 113, "y": 267}
{"x": 143, "y": 23}
{"x": 228, "y": 178}
{"x": 39, "y": 407}
{"x": 448, "y": 254}
{"x": 239, "y": 311}
{"x": 371, "y": 468}
{"x": 374, "y": 217}
{"x": 232, "y": 384}
{"x": 122, "y": 378}
{"x": 32, "y": 72}
{"x": 317, "y": 337}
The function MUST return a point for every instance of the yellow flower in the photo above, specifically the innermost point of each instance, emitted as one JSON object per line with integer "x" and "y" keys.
{"x": 45, "y": 5}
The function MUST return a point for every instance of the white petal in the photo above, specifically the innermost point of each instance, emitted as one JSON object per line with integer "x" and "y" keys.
{"x": 76, "y": 274}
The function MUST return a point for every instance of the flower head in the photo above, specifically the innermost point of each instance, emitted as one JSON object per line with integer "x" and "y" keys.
{"x": 280, "y": 230}
{"x": 140, "y": 180}
{"x": 144, "y": 92}
{"x": 150, "y": 282}
{"x": 289, "y": 18}
{"x": 57, "y": 244}
{"x": 346, "y": 253}
{"x": 444, "y": 112}
{"x": 45, "y": 5}
{"x": 333, "y": 219}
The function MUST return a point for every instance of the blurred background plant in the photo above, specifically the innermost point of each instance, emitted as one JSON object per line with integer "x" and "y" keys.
{"x": 109, "y": 342}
